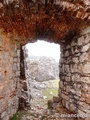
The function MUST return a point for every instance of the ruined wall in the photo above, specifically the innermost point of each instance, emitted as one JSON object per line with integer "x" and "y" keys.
{"x": 9, "y": 76}
{"x": 74, "y": 87}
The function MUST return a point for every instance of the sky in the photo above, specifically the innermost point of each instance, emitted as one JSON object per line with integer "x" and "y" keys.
{"x": 42, "y": 48}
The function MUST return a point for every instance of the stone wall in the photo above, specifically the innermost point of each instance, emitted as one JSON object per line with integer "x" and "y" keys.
{"x": 74, "y": 87}
{"x": 9, "y": 76}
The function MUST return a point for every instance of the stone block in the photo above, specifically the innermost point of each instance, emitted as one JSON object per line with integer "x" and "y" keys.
{"x": 1, "y": 55}
{"x": 0, "y": 69}
{"x": 86, "y": 68}
{"x": 85, "y": 80}
{"x": 50, "y": 103}
{"x": 18, "y": 53}
{"x": 75, "y": 92}
{"x": 15, "y": 60}
{"x": 73, "y": 43}
{"x": 1, "y": 41}
{"x": 82, "y": 99}
{"x": 84, "y": 57}
{"x": 66, "y": 53}
{"x": 59, "y": 92}
{"x": 67, "y": 105}
{"x": 75, "y": 77}
{"x": 80, "y": 41}
{"x": 85, "y": 88}
{"x": 0, "y": 63}
{"x": 6, "y": 117}
{"x": 73, "y": 107}
{"x": 84, "y": 105}
{"x": 18, "y": 60}
{"x": 24, "y": 86}
{"x": 56, "y": 99}
{"x": 87, "y": 39}
{"x": 61, "y": 84}
{"x": 17, "y": 73}
{"x": 85, "y": 48}
{"x": 72, "y": 50}
{"x": 88, "y": 99}
{"x": 67, "y": 79}
{"x": 76, "y": 50}
{"x": 3, "y": 114}
{"x": 68, "y": 47}
{"x": 11, "y": 60}
{"x": 82, "y": 114}
{"x": 71, "y": 99}
{"x": 5, "y": 56}
{"x": 63, "y": 102}
{"x": 65, "y": 96}
{"x": 1, "y": 77}
{"x": 67, "y": 89}
{"x": 74, "y": 68}
{"x": 15, "y": 67}
{"x": 67, "y": 69}
{"x": 75, "y": 59}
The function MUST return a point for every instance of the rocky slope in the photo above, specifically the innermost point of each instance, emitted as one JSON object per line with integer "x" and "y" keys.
{"x": 42, "y": 68}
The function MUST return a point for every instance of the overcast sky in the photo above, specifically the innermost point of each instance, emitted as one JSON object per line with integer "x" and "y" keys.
{"x": 42, "y": 48}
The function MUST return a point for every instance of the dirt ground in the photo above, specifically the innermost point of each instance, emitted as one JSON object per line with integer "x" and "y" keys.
{"x": 41, "y": 113}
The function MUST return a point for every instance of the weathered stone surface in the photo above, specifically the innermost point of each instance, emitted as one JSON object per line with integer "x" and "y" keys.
{"x": 75, "y": 60}
{"x": 42, "y": 68}
{"x": 86, "y": 68}
{"x": 8, "y": 78}
{"x": 84, "y": 57}
{"x": 82, "y": 114}
{"x": 85, "y": 80}
{"x": 73, "y": 107}
{"x": 66, "y": 54}
{"x": 80, "y": 41}
{"x": 56, "y": 99}
{"x": 85, "y": 48}
{"x": 67, "y": 89}
{"x": 65, "y": 97}
{"x": 75, "y": 75}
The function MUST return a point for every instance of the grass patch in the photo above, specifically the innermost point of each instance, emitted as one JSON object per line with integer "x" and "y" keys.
{"x": 50, "y": 92}
{"x": 17, "y": 116}
{"x": 14, "y": 117}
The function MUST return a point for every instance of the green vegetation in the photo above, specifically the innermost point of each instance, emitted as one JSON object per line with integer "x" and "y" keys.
{"x": 14, "y": 117}
{"x": 17, "y": 116}
{"x": 50, "y": 92}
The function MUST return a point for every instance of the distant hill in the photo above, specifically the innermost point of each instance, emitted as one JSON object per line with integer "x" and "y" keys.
{"x": 42, "y": 68}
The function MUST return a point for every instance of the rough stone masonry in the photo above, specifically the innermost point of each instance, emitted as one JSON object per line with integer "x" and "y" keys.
{"x": 9, "y": 76}
{"x": 64, "y": 22}
{"x": 74, "y": 89}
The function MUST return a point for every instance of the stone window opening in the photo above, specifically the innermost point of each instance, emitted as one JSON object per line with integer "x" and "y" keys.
{"x": 40, "y": 73}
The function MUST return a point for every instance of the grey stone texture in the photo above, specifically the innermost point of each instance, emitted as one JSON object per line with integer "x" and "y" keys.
{"x": 9, "y": 84}
{"x": 42, "y": 68}
{"x": 74, "y": 86}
